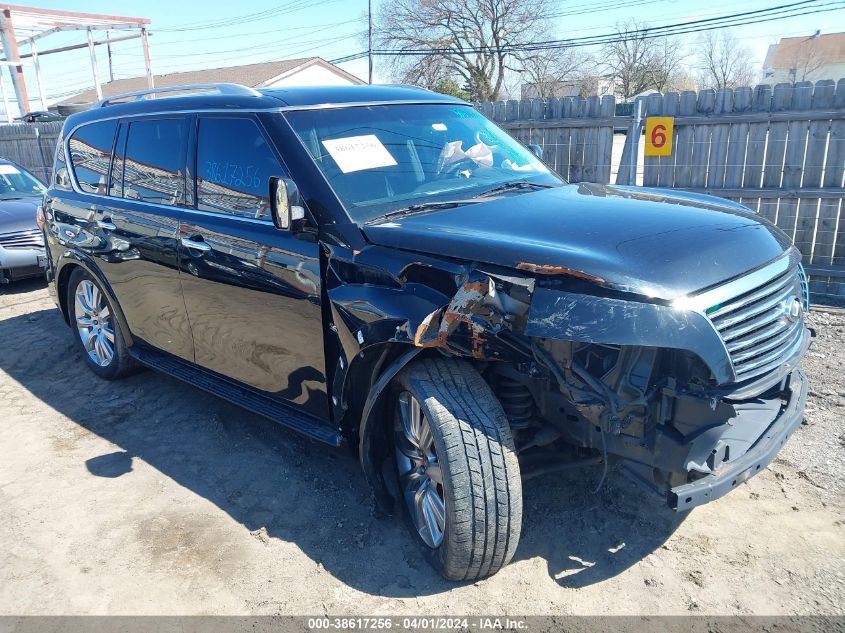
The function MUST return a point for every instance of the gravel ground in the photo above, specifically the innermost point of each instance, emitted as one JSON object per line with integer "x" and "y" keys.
{"x": 148, "y": 496}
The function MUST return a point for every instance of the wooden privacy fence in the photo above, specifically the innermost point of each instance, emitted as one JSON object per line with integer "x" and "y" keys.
{"x": 576, "y": 134}
{"x": 31, "y": 145}
{"x": 779, "y": 151}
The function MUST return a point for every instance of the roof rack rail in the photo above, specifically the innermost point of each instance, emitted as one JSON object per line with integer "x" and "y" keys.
{"x": 222, "y": 88}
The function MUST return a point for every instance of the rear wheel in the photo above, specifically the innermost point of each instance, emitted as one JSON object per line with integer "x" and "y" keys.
{"x": 457, "y": 468}
{"x": 95, "y": 328}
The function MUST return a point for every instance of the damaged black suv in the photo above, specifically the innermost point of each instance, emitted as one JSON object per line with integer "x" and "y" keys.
{"x": 385, "y": 268}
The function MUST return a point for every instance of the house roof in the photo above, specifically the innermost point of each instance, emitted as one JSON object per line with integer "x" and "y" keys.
{"x": 826, "y": 49}
{"x": 252, "y": 75}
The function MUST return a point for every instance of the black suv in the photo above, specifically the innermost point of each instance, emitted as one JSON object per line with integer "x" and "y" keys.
{"x": 384, "y": 268}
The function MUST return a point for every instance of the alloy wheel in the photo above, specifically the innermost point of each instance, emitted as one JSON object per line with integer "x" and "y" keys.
{"x": 94, "y": 323}
{"x": 419, "y": 471}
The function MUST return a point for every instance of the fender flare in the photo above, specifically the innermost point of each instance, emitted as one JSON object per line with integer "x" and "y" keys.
{"x": 369, "y": 427}
{"x": 87, "y": 263}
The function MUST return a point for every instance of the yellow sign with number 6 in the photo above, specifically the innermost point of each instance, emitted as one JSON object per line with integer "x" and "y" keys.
{"x": 658, "y": 135}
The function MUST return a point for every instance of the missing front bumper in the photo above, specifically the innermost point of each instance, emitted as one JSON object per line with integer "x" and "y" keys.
{"x": 730, "y": 475}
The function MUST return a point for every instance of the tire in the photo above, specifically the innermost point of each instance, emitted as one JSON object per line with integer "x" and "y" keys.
{"x": 472, "y": 453}
{"x": 121, "y": 362}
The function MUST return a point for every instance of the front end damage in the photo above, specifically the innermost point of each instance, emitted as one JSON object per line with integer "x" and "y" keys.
{"x": 587, "y": 373}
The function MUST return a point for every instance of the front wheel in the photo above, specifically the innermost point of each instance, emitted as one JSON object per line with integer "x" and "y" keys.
{"x": 457, "y": 468}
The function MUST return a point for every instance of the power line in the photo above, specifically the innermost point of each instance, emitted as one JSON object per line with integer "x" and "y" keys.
{"x": 226, "y": 53}
{"x": 283, "y": 9}
{"x": 216, "y": 38}
{"x": 735, "y": 19}
{"x": 683, "y": 28}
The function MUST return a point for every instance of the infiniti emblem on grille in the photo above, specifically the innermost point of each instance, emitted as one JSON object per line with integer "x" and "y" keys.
{"x": 791, "y": 309}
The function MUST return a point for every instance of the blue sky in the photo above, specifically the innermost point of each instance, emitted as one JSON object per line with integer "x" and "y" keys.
{"x": 193, "y": 35}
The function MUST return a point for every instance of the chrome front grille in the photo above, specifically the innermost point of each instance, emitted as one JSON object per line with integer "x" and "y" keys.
{"x": 764, "y": 326}
{"x": 23, "y": 239}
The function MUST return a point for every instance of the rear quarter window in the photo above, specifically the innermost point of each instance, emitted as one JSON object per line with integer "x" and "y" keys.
{"x": 90, "y": 149}
{"x": 61, "y": 178}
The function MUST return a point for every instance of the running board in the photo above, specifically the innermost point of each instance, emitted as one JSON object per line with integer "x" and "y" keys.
{"x": 262, "y": 405}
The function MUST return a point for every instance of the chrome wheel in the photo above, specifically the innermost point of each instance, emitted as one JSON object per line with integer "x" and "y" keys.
{"x": 94, "y": 323}
{"x": 419, "y": 470}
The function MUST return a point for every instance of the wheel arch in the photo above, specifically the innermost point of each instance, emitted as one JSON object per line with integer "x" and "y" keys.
{"x": 65, "y": 268}
{"x": 371, "y": 430}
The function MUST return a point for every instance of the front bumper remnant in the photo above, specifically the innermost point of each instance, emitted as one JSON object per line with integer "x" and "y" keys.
{"x": 730, "y": 475}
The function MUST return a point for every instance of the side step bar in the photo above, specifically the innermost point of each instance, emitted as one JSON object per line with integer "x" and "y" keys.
{"x": 262, "y": 405}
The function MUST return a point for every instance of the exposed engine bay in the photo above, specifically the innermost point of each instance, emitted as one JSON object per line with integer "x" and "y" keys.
{"x": 673, "y": 413}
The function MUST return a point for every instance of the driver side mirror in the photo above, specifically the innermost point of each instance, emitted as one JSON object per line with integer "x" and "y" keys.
{"x": 285, "y": 204}
{"x": 536, "y": 150}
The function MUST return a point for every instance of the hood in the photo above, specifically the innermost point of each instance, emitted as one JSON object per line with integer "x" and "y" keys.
{"x": 654, "y": 242}
{"x": 18, "y": 215}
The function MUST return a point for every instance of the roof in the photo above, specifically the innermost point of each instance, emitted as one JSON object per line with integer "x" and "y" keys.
{"x": 267, "y": 99}
{"x": 789, "y": 51}
{"x": 252, "y": 75}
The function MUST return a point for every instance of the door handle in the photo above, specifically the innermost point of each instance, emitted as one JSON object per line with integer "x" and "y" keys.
{"x": 196, "y": 245}
{"x": 106, "y": 224}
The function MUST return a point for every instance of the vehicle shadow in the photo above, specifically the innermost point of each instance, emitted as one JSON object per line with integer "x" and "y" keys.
{"x": 268, "y": 478}
{"x": 22, "y": 286}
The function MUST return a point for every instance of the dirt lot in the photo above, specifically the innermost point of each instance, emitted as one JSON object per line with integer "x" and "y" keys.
{"x": 148, "y": 496}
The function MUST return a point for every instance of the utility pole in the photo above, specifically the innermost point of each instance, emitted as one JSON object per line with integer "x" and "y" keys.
{"x": 370, "y": 39}
{"x": 94, "y": 70}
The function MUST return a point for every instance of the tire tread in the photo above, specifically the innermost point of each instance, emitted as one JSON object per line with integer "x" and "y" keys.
{"x": 485, "y": 513}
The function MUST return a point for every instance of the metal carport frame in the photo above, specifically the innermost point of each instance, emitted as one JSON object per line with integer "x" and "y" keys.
{"x": 24, "y": 26}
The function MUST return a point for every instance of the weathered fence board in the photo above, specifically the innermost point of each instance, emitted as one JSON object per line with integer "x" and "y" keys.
{"x": 756, "y": 149}
{"x": 31, "y": 145}
{"x": 808, "y": 208}
{"x": 604, "y": 138}
{"x": 833, "y": 176}
{"x": 793, "y": 166}
{"x": 719, "y": 139}
{"x": 682, "y": 150}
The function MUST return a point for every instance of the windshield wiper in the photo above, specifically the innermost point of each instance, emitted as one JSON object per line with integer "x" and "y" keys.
{"x": 422, "y": 208}
{"x": 515, "y": 186}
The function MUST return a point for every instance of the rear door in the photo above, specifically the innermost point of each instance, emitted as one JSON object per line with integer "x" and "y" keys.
{"x": 252, "y": 291}
{"x": 130, "y": 191}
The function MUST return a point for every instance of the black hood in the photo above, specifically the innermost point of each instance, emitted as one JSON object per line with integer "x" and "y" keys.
{"x": 18, "y": 215}
{"x": 654, "y": 242}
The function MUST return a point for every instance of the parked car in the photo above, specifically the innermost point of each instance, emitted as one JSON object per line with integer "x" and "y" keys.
{"x": 21, "y": 240}
{"x": 40, "y": 116}
{"x": 384, "y": 268}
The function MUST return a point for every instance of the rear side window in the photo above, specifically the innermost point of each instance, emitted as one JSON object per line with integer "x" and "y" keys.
{"x": 153, "y": 164}
{"x": 90, "y": 153}
{"x": 234, "y": 166}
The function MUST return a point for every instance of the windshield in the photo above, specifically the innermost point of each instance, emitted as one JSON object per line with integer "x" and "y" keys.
{"x": 17, "y": 183}
{"x": 383, "y": 158}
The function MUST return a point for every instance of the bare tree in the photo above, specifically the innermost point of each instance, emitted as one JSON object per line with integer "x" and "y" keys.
{"x": 426, "y": 71}
{"x": 631, "y": 59}
{"x": 471, "y": 36}
{"x": 547, "y": 71}
{"x": 724, "y": 62}
{"x": 667, "y": 64}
